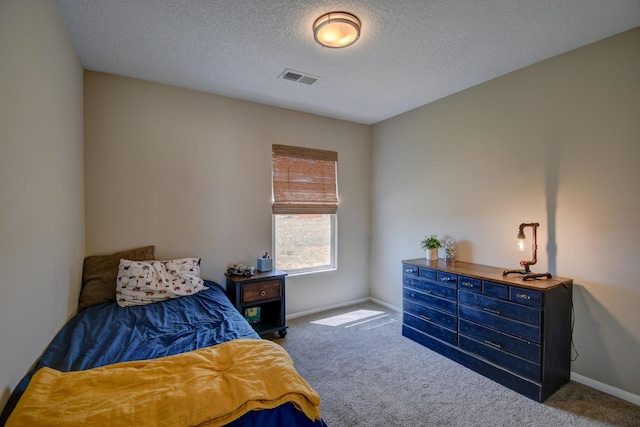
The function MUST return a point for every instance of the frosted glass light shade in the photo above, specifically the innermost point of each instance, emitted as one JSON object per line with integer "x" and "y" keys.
{"x": 336, "y": 29}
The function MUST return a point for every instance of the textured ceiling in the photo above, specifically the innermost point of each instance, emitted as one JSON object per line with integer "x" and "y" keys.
{"x": 410, "y": 53}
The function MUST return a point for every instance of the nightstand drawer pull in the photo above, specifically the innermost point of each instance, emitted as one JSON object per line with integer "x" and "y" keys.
{"x": 263, "y": 293}
{"x": 447, "y": 279}
{"x": 425, "y": 317}
{"x": 410, "y": 270}
{"x": 490, "y": 310}
{"x": 524, "y": 296}
{"x": 468, "y": 284}
{"x": 493, "y": 344}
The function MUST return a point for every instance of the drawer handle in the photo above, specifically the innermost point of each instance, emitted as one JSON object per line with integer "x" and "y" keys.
{"x": 490, "y": 310}
{"x": 524, "y": 296}
{"x": 409, "y": 271}
{"x": 262, "y": 293}
{"x": 469, "y": 284}
{"x": 425, "y": 318}
{"x": 446, "y": 279}
{"x": 493, "y": 344}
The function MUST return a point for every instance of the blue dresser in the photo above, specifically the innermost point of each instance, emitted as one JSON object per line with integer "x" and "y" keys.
{"x": 518, "y": 333}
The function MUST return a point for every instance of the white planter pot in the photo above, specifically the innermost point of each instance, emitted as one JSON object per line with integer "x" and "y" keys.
{"x": 432, "y": 254}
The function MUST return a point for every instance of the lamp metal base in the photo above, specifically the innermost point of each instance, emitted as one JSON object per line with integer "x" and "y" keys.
{"x": 528, "y": 275}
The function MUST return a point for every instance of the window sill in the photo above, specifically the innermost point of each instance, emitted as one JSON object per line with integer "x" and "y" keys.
{"x": 293, "y": 273}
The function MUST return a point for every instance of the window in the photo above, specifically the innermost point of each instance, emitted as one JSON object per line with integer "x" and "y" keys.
{"x": 304, "y": 242}
{"x": 305, "y": 203}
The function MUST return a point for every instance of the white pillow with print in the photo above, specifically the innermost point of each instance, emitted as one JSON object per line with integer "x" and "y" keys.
{"x": 145, "y": 282}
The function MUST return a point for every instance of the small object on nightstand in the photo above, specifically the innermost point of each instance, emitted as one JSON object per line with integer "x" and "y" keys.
{"x": 265, "y": 263}
{"x": 240, "y": 270}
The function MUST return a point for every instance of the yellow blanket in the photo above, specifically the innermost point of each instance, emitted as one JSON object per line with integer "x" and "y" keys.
{"x": 208, "y": 387}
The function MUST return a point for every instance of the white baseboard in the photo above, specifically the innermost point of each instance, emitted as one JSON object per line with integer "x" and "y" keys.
{"x": 605, "y": 388}
{"x": 387, "y": 305}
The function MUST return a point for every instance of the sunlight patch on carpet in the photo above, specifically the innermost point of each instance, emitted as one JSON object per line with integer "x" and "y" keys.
{"x": 347, "y": 317}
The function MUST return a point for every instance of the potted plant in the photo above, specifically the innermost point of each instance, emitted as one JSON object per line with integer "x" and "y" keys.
{"x": 431, "y": 245}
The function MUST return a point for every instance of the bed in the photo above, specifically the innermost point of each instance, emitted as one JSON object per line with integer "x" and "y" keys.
{"x": 191, "y": 360}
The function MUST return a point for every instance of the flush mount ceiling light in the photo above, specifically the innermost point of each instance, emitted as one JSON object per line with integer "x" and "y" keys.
{"x": 336, "y": 29}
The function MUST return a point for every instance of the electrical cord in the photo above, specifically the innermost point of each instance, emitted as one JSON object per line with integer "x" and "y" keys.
{"x": 573, "y": 318}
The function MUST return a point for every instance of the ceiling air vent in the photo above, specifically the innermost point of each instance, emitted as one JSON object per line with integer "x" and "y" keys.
{"x": 297, "y": 76}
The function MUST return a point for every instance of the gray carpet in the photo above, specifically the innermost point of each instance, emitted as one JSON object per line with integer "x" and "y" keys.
{"x": 368, "y": 374}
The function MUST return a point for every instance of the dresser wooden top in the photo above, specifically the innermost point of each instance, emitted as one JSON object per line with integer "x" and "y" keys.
{"x": 486, "y": 272}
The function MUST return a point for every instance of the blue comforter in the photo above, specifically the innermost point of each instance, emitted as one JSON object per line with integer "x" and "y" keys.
{"x": 107, "y": 333}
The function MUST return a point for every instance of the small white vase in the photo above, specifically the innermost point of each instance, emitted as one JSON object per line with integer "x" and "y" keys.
{"x": 432, "y": 254}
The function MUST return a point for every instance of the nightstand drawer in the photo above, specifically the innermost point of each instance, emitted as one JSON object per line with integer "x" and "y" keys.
{"x": 260, "y": 291}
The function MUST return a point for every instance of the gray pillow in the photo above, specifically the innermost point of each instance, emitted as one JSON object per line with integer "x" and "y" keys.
{"x": 99, "y": 274}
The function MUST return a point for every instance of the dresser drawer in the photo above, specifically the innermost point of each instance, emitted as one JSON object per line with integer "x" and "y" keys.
{"x": 495, "y": 290}
{"x": 430, "y": 328}
{"x": 410, "y": 269}
{"x": 447, "y": 279}
{"x": 469, "y": 284}
{"x": 260, "y": 291}
{"x": 427, "y": 273}
{"x": 502, "y": 308}
{"x": 525, "y": 296}
{"x": 430, "y": 300}
{"x": 430, "y": 314}
{"x": 500, "y": 323}
{"x": 429, "y": 287}
{"x": 495, "y": 355}
{"x": 526, "y": 349}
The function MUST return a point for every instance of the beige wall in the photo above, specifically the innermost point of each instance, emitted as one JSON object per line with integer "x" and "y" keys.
{"x": 556, "y": 143}
{"x": 41, "y": 183}
{"x": 191, "y": 173}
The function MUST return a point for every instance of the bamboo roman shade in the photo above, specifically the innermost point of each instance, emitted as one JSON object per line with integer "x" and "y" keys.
{"x": 304, "y": 180}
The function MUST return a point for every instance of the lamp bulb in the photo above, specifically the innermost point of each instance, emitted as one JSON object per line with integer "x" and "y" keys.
{"x": 521, "y": 245}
